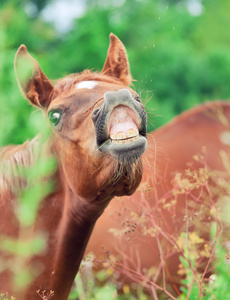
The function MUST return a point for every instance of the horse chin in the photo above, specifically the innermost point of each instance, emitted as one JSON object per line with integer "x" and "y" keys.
{"x": 124, "y": 177}
{"x": 124, "y": 151}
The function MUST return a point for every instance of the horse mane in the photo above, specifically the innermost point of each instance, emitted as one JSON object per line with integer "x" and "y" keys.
{"x": 13, "y": 159}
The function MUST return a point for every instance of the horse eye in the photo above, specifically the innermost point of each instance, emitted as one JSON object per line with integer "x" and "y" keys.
{"x": 55, "y": 116}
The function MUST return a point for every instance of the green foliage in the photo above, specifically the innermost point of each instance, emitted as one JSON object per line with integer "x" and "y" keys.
{"x": 98, "y": 287}
{"x": 6, "y": 297}
{"x": 216, "y": 286}
{"x": 166, "y": 54}
{"x": 15, "y": 113}
{"x": 18, "y": 126}
{"x": 178, "y": 60}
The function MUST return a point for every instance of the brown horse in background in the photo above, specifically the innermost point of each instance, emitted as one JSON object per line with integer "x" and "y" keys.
{"x": 186, "y": 177}
{"x": 88, "y": 112}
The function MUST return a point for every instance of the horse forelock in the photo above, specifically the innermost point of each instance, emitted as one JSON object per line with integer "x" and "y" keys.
{"x": 13, "y": 159}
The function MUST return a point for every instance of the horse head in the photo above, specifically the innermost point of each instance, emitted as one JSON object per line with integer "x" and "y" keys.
{"x": 99, "y": 123}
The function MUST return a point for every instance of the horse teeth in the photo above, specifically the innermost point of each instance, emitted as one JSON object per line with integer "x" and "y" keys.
{"x": 120, "y": 135}
{"x": 124, "y": 141}
{"x": 132, "y": 132}
{"x": 112, "y": 136}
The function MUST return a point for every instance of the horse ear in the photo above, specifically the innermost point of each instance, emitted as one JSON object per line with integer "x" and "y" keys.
{"x": 116, "y": 63}
{"x": 33, "y": 83}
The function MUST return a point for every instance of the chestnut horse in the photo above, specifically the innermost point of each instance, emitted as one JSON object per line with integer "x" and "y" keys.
{"x": 88, "y": 112}
{"x": 185, "y": 172}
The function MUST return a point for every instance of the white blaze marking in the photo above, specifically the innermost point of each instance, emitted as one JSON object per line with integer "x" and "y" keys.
{"x": 86, "y": 85}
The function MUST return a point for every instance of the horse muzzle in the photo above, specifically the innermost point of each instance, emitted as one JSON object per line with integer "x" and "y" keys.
{"x": 120, "y": 125}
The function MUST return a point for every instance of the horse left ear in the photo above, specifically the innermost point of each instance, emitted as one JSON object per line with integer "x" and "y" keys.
{"x": 33, "y": 83}
{"x": 117, "y": 64}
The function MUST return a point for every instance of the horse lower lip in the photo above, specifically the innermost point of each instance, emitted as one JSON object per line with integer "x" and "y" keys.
{"x": 126, "y": 150}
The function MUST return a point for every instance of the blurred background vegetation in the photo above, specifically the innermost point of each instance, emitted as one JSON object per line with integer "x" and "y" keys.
{"x": 179, "y": 51}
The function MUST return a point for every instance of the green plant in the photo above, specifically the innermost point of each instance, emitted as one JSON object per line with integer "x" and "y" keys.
{"x": 216, "y": 286}
{"x": 6, "y": 297}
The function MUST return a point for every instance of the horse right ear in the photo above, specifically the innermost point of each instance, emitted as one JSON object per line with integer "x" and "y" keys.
{"x": 33, "y": 83}
{"x": 117, "y": 64}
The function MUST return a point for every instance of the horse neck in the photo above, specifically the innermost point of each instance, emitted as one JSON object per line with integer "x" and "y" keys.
{"x": 69, "y": 233}
{"x": 74, "y": 233}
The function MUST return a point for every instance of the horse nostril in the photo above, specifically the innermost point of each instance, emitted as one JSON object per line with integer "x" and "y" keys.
{"x": 95, "y": 114}
{"x": 96, "y": 111}
{"x": 137, "y": 98}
